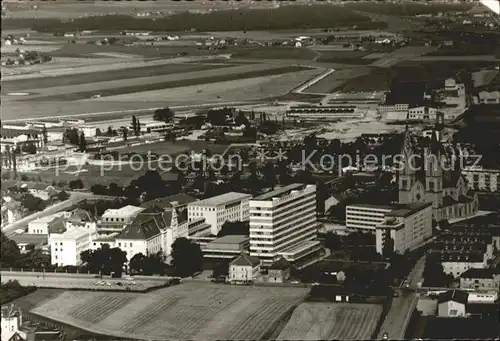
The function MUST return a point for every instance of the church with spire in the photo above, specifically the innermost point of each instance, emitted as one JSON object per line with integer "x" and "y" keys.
{"x": 427, "y": 174}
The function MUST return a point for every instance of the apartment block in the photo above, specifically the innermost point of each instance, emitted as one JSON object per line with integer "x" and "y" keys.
{"x": 65, "y": 248}
{"x": 283, "y": 223}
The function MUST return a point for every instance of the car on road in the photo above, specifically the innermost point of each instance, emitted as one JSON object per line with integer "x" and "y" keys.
{"x": 295, "y": 282}
{"x": 385, "y": 336}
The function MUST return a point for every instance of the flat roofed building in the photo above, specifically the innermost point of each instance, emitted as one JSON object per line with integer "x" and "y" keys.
{"x": 232, "y": 206}
{"x": 115, "y": 220}
{"x": 408, "y": 225}
{"x": 365, "y": 217}
{"x": 227, "y": 247}
{"x": 327, "y": 112}
{"x": 283, "y": 222}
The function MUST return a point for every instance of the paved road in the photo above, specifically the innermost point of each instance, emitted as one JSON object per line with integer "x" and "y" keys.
{"x": 75, "y": 197}
{"x": 402, "y": 307}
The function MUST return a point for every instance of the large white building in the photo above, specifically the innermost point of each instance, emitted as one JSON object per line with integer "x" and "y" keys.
{"x": 409, "y": 226}
{"x": 41, "y": 225}
{"x": 65, "y": 248}
{"x": 283, "y": 223}
{"x": 325, "y": 112}
{"x": 217, "y": 210}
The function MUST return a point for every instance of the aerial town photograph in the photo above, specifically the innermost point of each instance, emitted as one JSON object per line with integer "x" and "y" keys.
{"x": 250, "y": 170}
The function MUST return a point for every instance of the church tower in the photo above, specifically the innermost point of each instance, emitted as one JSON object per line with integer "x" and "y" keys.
{"x": 407, "y": 171}
{"x": 434, "y": 170}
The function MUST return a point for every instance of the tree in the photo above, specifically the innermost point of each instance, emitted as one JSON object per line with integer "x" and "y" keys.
{"x": 136, "y": 126}
{"x": 234, "y": 228}
{"x": 221, "y": 269}
{"x": 137, "y": 263}
{"x": 76, "y": 184}
{"x": 388, "y": 248}
{"x": 125, "y": 133}
{"x": 110, "y": 131}
{"x": 71, "y": 136}
{"x": 62, "y": 196}
{"x": 45, "y": 135}
{"x": 98, "y": 132}
{"x": 32, "y": 203}
{"x": 187, "y": 258}
{"x": 332, "y": 241}
{"x": 165, "y": 114}
{"x": 9, "y": 252}
{"x": 82, "y": 142}
{"x": 269, "y": 174}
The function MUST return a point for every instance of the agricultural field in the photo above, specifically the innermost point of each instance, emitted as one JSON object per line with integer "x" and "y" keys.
{"x": 332, "y": 321}
{"x": 195, "y": 311}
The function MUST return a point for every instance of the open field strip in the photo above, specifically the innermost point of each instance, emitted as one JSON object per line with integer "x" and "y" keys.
{"x": 112, "y": 66}
{"x": 114, "y": 75}
{"x": 107, "y": 88}
{"x": 196, "y": 311}
{"x": 332, "y": 321}
{"x": 335, "y": 79}
{"x": 231, "y": 90}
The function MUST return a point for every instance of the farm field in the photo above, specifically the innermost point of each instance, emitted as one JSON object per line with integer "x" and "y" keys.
{"x": 196, "y": 311}
{"x": 332, "y": 321}
{"x": 109, "y": 88}
{"x": 113, "y": 75}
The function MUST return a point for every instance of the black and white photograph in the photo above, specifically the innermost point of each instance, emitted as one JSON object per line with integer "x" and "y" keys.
{"x": 198, "y": 170}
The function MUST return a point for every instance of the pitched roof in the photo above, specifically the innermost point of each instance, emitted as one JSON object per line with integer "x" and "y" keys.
{"x": 280, "y": 264}
{"x": 143, "y": 231}
{"x": 480, "y": 273}
{"x": 181, "y": 198}
{"x": 458, "y": 296}
{"x": 81, "y": 215}
{"x": 246, "y": 260}
{"x": 58, "y": 225}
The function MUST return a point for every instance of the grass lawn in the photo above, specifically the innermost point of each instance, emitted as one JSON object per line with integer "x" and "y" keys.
{"x": 407, "y": 9}
{"x": 171, "y": 84}
{"x": 280, "y": 52}
{"x": 94, "y": 77}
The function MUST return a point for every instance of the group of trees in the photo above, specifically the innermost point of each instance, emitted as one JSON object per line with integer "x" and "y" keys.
{"x": 105, "y": 260}
{"x": 11, "y": 290}
{"x": 165, "y": 115}
{"x": 434, "y": 275}
{"x": 151, "y": 264}
{"x": 357, "y": 245}
{"x": 187, "y": 257}
{"x": 11, "y": 257}
{"x": 73, "y": 136}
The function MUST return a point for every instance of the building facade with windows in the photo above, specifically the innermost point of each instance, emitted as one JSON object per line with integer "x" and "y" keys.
{"x": 217, "y": 210}
{"x": 283, "y": 223}
{"x": 244, "y": 269}
{"x": 484, "y": 180}
{"x": 480, "y": 279}
{"x": 365, "y": 217}
{"x": 65, "y": 248}
{"x": 409, "y": 226}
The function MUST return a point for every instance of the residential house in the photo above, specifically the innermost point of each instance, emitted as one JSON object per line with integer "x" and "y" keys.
{"x": 11, "y": 321}
{"x": 41, "y": 225}
{"x": 27, "y": 242}
{"x": 452, "y": 303}
{"x": 81, "y": 218}
{"x": 244, "y": 269}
